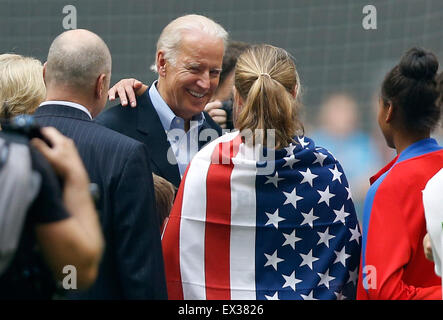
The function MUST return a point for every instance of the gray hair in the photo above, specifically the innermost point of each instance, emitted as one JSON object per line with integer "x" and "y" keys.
{"x": 172, "y": 34}
{"x": 76, "y": 58}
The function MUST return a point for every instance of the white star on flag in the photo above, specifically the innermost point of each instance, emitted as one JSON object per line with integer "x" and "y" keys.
{"x": 325, "y": 196}
{"x": 291, "y": 239}
{"x": 302, "y": 142}
{"x": 325, "y": 279}
{"x": 348, "y": 189}
{"x": 292, "y": 198}
{"x": 290, "y": 149}
{"x": 325, "y": 237}
{"x": 336, "y": 174}
{"x": 273, "y": 260}
{"x": 290, "y": 161}
{"x": 308, "y": 259}
{"x": 341, "y": 256}
{"x": 274, "y": 179}
{"x": 340, "y": 296}
{"x": 274, "y": 297}
{"x": 310, "y": 296}
{"x": 353, "y": 276}
{"x": 274, "y": 218}
{"x": 320, "y": 157}
{"x": 290, "y": 281}
{"x": 309, "y": 218}
{"x": 355, "y": 234}
{"x": 341, "y": 215}
{"x": 308, "y": 176}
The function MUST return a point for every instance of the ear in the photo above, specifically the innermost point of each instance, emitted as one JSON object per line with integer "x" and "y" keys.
{"x": 294, "y": 91}
{"x": 44, "y": 72}
{"x": 100, "y": 86}
{"x": 161, "y": 63}
{"x": 237, "y": 107}
{"x": 390, "y": 112}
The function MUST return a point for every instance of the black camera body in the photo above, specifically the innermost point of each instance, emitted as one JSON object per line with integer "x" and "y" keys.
{"x": 24, "y": 125}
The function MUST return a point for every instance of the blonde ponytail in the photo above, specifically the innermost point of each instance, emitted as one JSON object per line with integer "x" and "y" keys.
{"x": 265, "y": 78}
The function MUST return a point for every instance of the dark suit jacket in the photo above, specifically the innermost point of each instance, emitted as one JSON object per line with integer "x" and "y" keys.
{"x": 132, "y": 264}
{"x": 143, "y": 124}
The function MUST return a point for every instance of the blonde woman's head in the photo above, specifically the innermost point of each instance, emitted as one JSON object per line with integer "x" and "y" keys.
{"x": 22, "y": 88}
{"x": 267, "y": 89}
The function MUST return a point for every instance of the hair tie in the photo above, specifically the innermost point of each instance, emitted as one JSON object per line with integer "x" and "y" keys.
{"x": 264, "y": 74}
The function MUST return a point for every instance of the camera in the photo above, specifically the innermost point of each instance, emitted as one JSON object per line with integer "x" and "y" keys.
{"x": 24, "y": 125}
{"x": 27, "y": 126}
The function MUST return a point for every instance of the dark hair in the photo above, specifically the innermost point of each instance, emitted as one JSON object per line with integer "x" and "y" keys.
{"x": 411, "y": 87}
{"x": 233, "y": 51}
{"x": 439, "y": 80}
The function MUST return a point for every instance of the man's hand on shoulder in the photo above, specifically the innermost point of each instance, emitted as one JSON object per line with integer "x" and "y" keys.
{"x": 127, "y": 89}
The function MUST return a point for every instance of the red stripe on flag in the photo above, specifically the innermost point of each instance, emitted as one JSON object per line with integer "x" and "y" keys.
{"x": 171, "y": 247}
{"x": 218, "y": 221}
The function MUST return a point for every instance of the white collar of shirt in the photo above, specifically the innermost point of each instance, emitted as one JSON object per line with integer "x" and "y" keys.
{"x": 68, "y": 104}
{"x": 167, "y": 117}
{"x": 181, "y": 142}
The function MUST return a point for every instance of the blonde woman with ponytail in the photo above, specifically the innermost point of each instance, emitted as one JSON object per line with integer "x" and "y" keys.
{"x": 266, "y": 90}
{"x": 262, "y": 212}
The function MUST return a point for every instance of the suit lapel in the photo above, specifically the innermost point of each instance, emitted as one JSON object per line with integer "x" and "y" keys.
{"x": 149, "y": 124}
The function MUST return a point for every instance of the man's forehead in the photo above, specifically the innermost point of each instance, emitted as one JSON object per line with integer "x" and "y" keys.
{"x": 202, "y": 55}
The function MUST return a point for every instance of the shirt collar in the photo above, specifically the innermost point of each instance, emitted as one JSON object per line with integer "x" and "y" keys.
{"x": 414, "y": 150}
{"x": 167, "y": 117}
{"x": 68, "y": 104}
{"x": 419, "y": 148}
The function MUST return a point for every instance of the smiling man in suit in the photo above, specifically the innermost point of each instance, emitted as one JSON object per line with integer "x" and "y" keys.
{"x": 169, "y": 117}
{"x": 77, "y": 75}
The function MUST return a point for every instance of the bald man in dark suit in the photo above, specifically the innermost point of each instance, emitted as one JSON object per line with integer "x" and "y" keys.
{"x": 77, "y": 75}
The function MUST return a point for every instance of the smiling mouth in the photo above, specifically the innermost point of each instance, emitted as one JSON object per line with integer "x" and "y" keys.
{"x": 196, "y": 94}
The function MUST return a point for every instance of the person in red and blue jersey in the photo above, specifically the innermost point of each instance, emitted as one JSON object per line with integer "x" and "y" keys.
{"x": 393, "y": 264}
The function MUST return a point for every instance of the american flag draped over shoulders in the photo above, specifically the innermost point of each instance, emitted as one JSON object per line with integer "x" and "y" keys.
{"x": 236, "y": 234}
